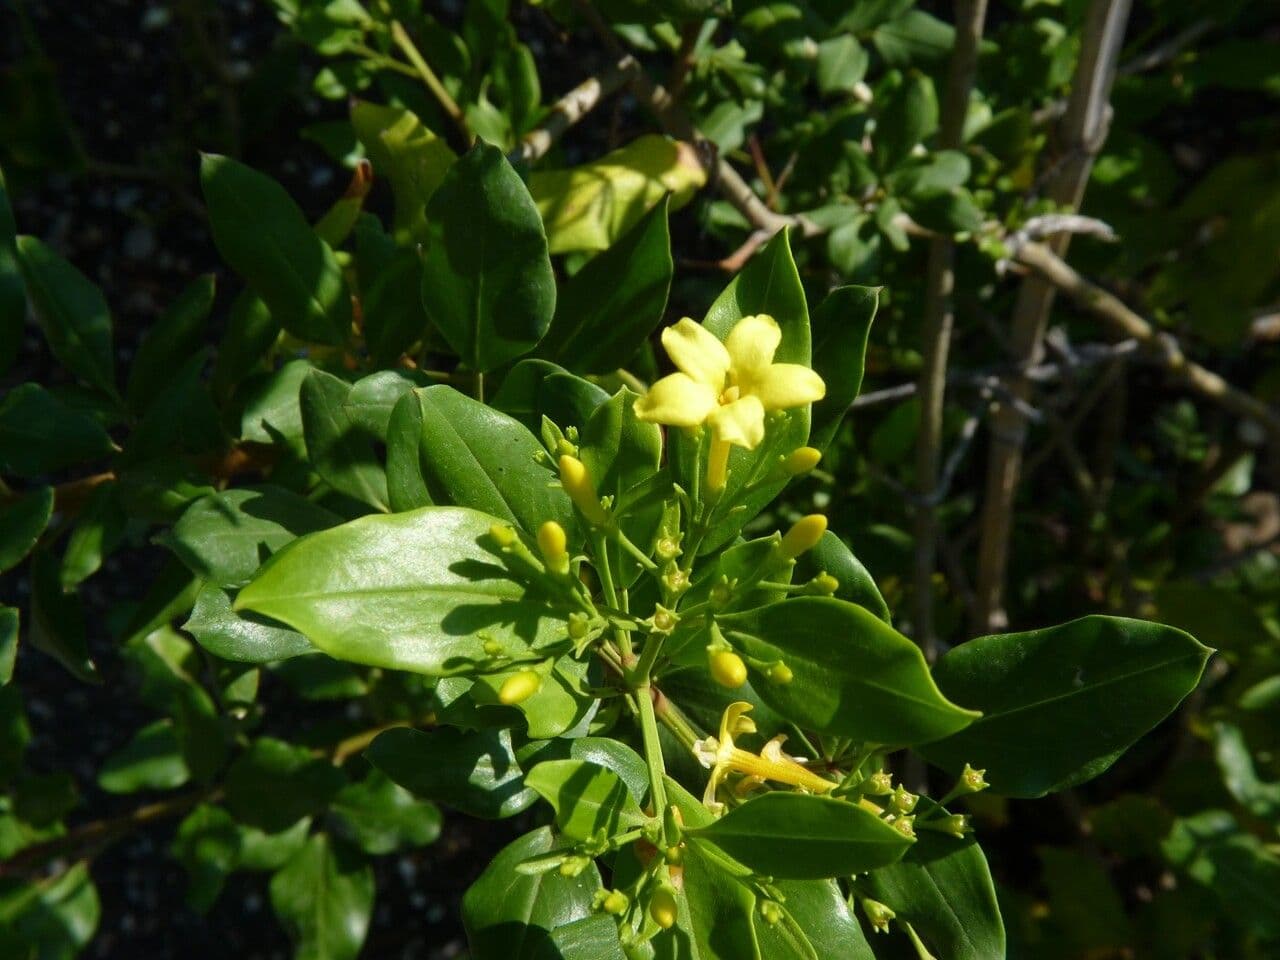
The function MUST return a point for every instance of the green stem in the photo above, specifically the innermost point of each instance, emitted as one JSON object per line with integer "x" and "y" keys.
{"x": 652, "y": 749}
{"x": 610, "y": 591}
{"x": 674, "y": 720}
{"x": 446, "y": 101}
{"x": 648, "y": 657}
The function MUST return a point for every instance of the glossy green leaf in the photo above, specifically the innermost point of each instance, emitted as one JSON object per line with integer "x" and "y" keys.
{"x": 22, "y": 520}
{"x": 151, "y": 760}
{"x": 224, "y": 538}
{"x": 856, "y": 583}
{"x": 609, "y": 307}
{"x": 854, "y": 675}
{"x": 271, "y": 409}
{"x": 510, "y": 915}
{"x": 414, "y": 592}
{"x": 341, "y": 449}
{"x": 841, "y": 325}
{"x": 9, "y": 622}
{"x": 408, "y": 154}
{"x": 1061, "y": 704}
{"x": 537, "y": 388}
{"x": 72, "y": 312}
{"x": 475, "y": 773}
{"x": 800, "y": 837}
{"x": 449, "y": 448}
{"x": 239, "y": 637}
{"x": 274, "y": 784}
{"x": 943, "y": 888}
{"x": 324, "y": 897}
{"x": 207, "y": 845}
{"x": 175, "y": 336}
{"x": 99, "y": 530}
{"x": 251, "y": 330}
{"x": 487, "y": 283}
{"x": 591, "y": 802}
{"x": 560, "y": 705}
{"x": 40, "y": 434}
{"x": 818, "y": 923}
{"x": 373, "y": 398}
{"x": 380, "y": 816}
{"x": 616, "y": 756}
{"x": 263, "y": 234}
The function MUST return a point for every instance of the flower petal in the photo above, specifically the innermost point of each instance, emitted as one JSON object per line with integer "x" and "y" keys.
{"x": 751, "y": 344}
{"x": 678, "y": 401}
{"x": 788, "y": 385}
{"x": 740, "y": 423}
{"x": 696, "y": 351}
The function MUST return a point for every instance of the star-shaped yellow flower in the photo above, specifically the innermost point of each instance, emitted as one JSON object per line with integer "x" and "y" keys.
{"x": 728, "y": 386}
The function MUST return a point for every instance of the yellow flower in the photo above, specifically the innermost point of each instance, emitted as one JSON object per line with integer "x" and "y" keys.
{"x": 722, "y": 757}
{"x": 728, "y": 386}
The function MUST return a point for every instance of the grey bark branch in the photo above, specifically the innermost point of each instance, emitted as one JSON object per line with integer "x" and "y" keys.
{"x": 572, "y": 107}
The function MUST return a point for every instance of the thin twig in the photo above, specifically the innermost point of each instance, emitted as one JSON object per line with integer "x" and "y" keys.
{"x": 571, "y": 108}
{"x": 938, "y": 320}
{"x": 443, "y": 97}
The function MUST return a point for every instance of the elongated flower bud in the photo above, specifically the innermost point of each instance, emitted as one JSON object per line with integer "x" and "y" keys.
{"x": 801, "y": 460}
{"x": 519, "y": 687}
{"x": 577, "y": 484}
{"x": 803, "y": 536}
{"x": 663, "y": 909}
{"x": 553, "y": 542}
{"x": 727, "y": 668}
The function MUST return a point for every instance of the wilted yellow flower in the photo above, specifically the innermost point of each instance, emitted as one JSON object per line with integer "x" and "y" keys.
{"x": 728, "y": 386}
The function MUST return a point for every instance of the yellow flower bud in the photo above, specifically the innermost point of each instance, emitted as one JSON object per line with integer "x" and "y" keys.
{"x": 502, "y": 533}
{"x": 519, "y": 687}
{"x": 727, "y": 668}
{"x": 616, "y": 903}
{"x": 577, "y": 484}
{"x": 824, "y": 584}
{"x": 803, "y": 536}
{"x": 801, "y": 460}
{"x": 771, "y": 910}
{"x": 663, "y": 909}
{"x": 781, "y": 674}
{"x": 552, "y": 542}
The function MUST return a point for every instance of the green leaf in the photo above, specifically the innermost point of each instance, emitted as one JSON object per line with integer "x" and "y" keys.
{"x": 799, "y": 837}
{"x": 819, "y": 924}
{"x": 769, "y": 284}
{"x": 511, "y": 915}
{"x": 22, "y": 520}
{"x": 380, "y": 816}
{"x": 487, "y": 282}
{"x": 251, "y": 330}
{"x": 561, "y": 703}
{"x": 57, "y": 620}
{"x": 225, "y": 537}
{"x": 841, "y": 325}
{"x": 9, "y": 621}
{"x": 609, "y": 307}
{"x": 415, "y": 591}
{"x": 537, "y": 388}
{"x": 72, "y": 312}
{"x": 274, "y": 784}
{"x": 943, "y": 170}
{"x": 842, "y": 63}
{"x": 854, "y": 675}
{"x": 590, "y": 207}
{"x": 447, "y": 448}
{"x": 946, "y": 211}
{"x": 324, "y": 897}
{"x": 271, "y": 410}
{"x": 913, "y": 36}
{"x": 616, "y": 756}
{"x": 373, "y": 398}
{"x": 175, "y": 336}
{"x": 943, "y": 888}
{"x": 473, "y": 772}
{"x": 207, "y": 845}
{"x": 408, "y": 154}
{"x": 1261, "y": 798}
{"x": 52, "y": 919}
{"x": 591, "y": 802}
{"x": 1062, "y": 703}
{"x": 13, "y": 295}
{"x": 260, "y": 231}
{"x": 394, "y": 318}
{"x": 856, "y": 583}
{"x": 40, "y": 434}
{"x": 341, "y": 449}
{"x": 244, "y": 639}
{"x": 151, "y": 760}
{"x": 315, "y": 676}
{"x": 100, "y": 528}
{"x": 907, "y": 116}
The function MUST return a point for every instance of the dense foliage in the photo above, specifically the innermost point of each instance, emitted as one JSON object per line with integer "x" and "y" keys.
{"x": 716, "y": 480}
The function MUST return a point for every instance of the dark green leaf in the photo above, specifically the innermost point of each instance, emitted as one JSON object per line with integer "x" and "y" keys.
{"x": 207, "y": 845}
{"x": 273, "y": 785}
{"x": 99, "y": 529}
{"x": 9, "y": 621}
{"x": 72, "y": 312}
{"x": 151, "y": 760}
{"x": 841, "y": 65}
{"x": 1062, "y": 703}
{"x": 591, "y": 802}
{"x": 510, "y": 915}
{"x": 272, "y": 410}
{"x": 856, "y": 583}
{"x": 380, "y": 816}
{"x": 393, "y": 314}
{"x": 260, "y": 231}
{"x": 907, "y": 116}
{"x": 408, "y": 154}
{"x": 414, "y": 592}
{"x": 174, "y": 337}
{"x": 324, "y": 897}
{"x": 40, "y": 434}
{"x": 841, "y": 325}
{"x": 537, "y": 388}
{"x": 487, "y": 283}
{"x": 49, "y": 919}
{"x": 854, "y": 675}
{"x": 251, "y": 330}
{"x": 913, "y": 36}
{"x": 341, "y": 449}
{"x": 609, "y": 307}
{"x": 475, "y": 772}
{"x": 799, "y": 837}
{"x": 243, "y": 638}
{"x": 57, "y": 620}
{"x": 22, "y": 520}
